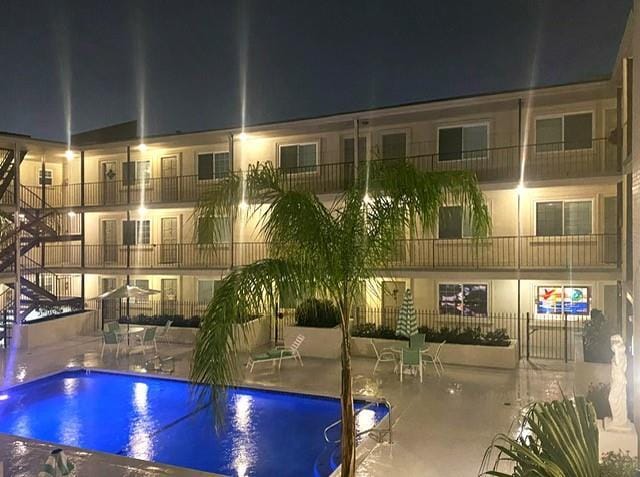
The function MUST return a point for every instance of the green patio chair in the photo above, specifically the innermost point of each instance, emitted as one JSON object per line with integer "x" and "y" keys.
{"x": 113, "y": 326}
{"x": 417, "y": 341}
{"x": 164, "y": 333}
{"x": 148, "y": 339}
{"x": 278, "y": 354}
{"x": 110, "y": 338}
{"x": 411, "y": 358}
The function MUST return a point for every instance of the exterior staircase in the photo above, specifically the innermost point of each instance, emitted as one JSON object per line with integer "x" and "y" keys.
{"x": 39, "y": 224}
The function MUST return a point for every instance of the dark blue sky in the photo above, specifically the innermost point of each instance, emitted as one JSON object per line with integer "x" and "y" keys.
{"x": 185, "y": 60}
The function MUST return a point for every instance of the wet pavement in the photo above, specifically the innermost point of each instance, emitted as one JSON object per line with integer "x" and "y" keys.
{"x": 440, "y": 427}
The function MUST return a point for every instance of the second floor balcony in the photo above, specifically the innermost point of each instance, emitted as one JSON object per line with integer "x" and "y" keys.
{"x": 537, "y": 162}
{"x": 591, "y": 252}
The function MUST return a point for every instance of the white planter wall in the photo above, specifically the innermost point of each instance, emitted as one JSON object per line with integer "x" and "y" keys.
{"x": 588, "y": 373}
{"x": 318, "y": 342}
{"x": 48, "y": 332}
{"x": 505, "y": 357}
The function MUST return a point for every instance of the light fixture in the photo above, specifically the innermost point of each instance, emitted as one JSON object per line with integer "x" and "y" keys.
{"x": 243, "y": 204}
{"x": 71, "y": 214}
{"x": 68, "y": 154}
{"x": 243, "y": 136}
{"x": 367, "y": 199}
{"x": 520, "y": 188}
{"x": 142, "y": 210}
{"x": 142, "y": 147}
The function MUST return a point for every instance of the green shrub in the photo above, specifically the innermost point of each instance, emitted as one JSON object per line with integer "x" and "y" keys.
{"x": 317, "y": 314}
{"x": 598, "y": 395}
{"x": 597, "y": 338}
{"x": 470, "y": 336}
{"x": 370, "y": 330}
{"x": 617, "y": 464}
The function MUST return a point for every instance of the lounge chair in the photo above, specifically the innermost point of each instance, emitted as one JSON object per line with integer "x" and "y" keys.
{"x": 384, "y": 356}
{"x": 110, "y": 338}
{"x": 148, "y": 339}
{"x": 164, "y": 333}
{"x": 434, "y": 358}
{"x": 411, "y": 358}
{"x": 277, "y": 354}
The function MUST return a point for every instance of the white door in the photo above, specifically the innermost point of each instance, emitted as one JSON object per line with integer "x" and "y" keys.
{"x": 169, "y": 240}
{"x": 169, "y": 167}
{"x": 109, "y": 241}
{"x": 109, "y": 177}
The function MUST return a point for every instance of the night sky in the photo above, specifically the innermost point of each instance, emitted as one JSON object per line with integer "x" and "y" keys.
{"x": 186, "y": 61}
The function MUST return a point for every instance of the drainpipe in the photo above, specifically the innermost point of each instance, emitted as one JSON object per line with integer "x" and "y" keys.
{"x": 518, "y": 193}
{"x": 233, "y": 219}
{"x": 82, "y": 229}
{"x": 17, "y": 295}
{"x": 356, "y": 148}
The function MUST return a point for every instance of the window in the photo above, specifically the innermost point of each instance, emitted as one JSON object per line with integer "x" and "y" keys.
{"x": 454, "y": 223}
{"x": 136, "y": 232}
{"x": 349, "y": 151}
{"x": 136, "y": 172}
{"x": 45, "y": 177}
{"x": 213, "y": 165}
{"x": 394, "y": 146}
{"x": 563, "y": 218}
{"x": 205, "y": 231}
{"x": 206, "y": 289}
{"x": 466, "y": 299}
{"x": 568, "y": 132}
{"x": 462, "y": 142}
{"x": 559, "y": 300}
{"x": 144, "y": 284}
{"x": 299, "y": 157}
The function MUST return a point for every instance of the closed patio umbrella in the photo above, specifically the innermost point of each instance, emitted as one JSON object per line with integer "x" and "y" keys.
{"x": 407, "y": 324}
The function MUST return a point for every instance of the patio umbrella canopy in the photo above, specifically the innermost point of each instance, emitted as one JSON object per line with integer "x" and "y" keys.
{"x": 407, "y": 324}
{"x": 126, "y": 291}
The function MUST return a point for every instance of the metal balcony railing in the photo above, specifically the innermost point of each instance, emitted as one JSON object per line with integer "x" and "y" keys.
{"x": 536, "y": 162}
{"x": 593, "y": 251}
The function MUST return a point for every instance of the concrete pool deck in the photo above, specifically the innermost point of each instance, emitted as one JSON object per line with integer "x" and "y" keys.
{"x": 440, "y": 427}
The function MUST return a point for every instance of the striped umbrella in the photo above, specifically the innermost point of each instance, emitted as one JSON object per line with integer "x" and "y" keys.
{"x": 57, "y": 465}
{"x": 407, "y": 324}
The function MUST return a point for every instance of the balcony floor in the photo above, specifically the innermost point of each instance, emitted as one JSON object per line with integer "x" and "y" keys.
{"x": 441, "y": 427}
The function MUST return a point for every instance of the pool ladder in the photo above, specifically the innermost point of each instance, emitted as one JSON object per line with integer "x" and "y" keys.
{"x": 379, "y": 433}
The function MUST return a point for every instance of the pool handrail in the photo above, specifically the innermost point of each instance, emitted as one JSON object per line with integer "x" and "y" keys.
{"x": 373, "y": 430}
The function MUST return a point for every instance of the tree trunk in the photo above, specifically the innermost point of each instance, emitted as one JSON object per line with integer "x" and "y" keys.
{"x": 346, "y": 400}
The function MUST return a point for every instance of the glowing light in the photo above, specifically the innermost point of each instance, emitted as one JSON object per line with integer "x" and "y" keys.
{"x": 367, "y": 199}
{"x": 4, "y": 397}
{"x": 243, "y": 136}
{"x": 520, "y": 188}
{"x": 68, "y": 154}
{"x": 71, "y": 214}
{"x": 142, "y": 147}
{"x": 243, "y": 205}
{"x": 142, "y": 210}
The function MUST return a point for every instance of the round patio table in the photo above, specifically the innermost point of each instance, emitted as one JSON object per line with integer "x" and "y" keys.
{"x": 130, "y": 331}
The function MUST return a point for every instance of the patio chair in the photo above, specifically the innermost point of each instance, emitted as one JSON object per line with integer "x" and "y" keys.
{"x": 417, "y": 341}
{"x": 435, "y": 358}
{"x": 164, "y": 333}
{"x": 148, "y": 339}
{"x": 277, "y": 354}
{"x": 411, "y": 358}
{"x": 384, "y": 356}
{"x": 110, "y": 338}
{"x": 113, "y": 326}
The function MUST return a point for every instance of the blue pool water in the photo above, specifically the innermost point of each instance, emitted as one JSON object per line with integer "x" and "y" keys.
{"x": 266, "y": 433}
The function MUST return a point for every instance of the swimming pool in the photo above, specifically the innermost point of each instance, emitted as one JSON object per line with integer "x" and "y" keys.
{"x": 155, "y": 419}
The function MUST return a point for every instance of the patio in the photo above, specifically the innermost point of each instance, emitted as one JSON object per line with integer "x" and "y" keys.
{"x": 441, "y": 427}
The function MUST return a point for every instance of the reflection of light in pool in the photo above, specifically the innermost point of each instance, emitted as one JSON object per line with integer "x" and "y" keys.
{"x": 70, "y": 386}
{"x": 21, "y": 374}
{"x": 140, "y": 440}
{"x": 244, "y": 447}
{"x": 365, "y": 420}
{"x": 4, "y": 397}
{"x": 243, "y": 412}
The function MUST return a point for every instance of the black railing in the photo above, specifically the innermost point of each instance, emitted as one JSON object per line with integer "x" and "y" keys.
{"x": 533, "y": 162}
{"x": 593, "y": 251}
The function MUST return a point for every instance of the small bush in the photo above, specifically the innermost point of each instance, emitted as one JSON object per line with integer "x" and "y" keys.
{"x": 617, "y": 464}
{"x": 317, "y": 314}
{"x": 370, "y": 330}
{"x": 470, "y": 336}
{"x": 598, "y": 395}
{"x": 597, "y": 338}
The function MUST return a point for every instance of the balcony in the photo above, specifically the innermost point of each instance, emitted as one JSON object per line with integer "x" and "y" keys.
{"x": 502, "y": 164}
{"x": 575, "y": 252}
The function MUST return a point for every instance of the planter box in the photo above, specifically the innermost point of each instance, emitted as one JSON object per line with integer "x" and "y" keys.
{"x": 505, "y": 357}
{"x": 318, "y": 342}
{"x": 253, "y": 334}
{"x": 47, "y": 332}
{"x": 587, "y": 373}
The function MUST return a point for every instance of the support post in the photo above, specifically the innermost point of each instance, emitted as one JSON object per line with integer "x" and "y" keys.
{"x": 128, "y": 175}
{"x": 356, "y": 148}
{"x": 565, "y": 327}
{"x": 17, "y": 295}
{"x": 233, "y": 219}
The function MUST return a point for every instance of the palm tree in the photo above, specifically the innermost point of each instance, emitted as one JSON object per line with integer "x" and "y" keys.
{"x": 327, "y": 251}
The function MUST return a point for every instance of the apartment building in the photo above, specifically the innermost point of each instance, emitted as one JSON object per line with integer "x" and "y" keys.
{"x": 550, "y": 161}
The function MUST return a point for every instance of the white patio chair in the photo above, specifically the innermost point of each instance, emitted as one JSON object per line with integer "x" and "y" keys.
{"x": 434, "y": 358}
{"x": 110, "y": 338}
{"x": 163, "y": 336}
{"x": 277, "y": 354}
{"x": 385, "y": 356}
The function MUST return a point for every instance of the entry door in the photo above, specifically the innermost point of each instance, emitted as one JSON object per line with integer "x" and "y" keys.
{"x": 169, "y": 178}
{"x": 392, "y": 296}
{"x": 610, "y": 229}
{"x": 169, "y": 240}
{"x": 109, "y": 187}
{"x": 109, "y": 307}
{"x": 110, "y": 241}
{"x": 169, "y": 292}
